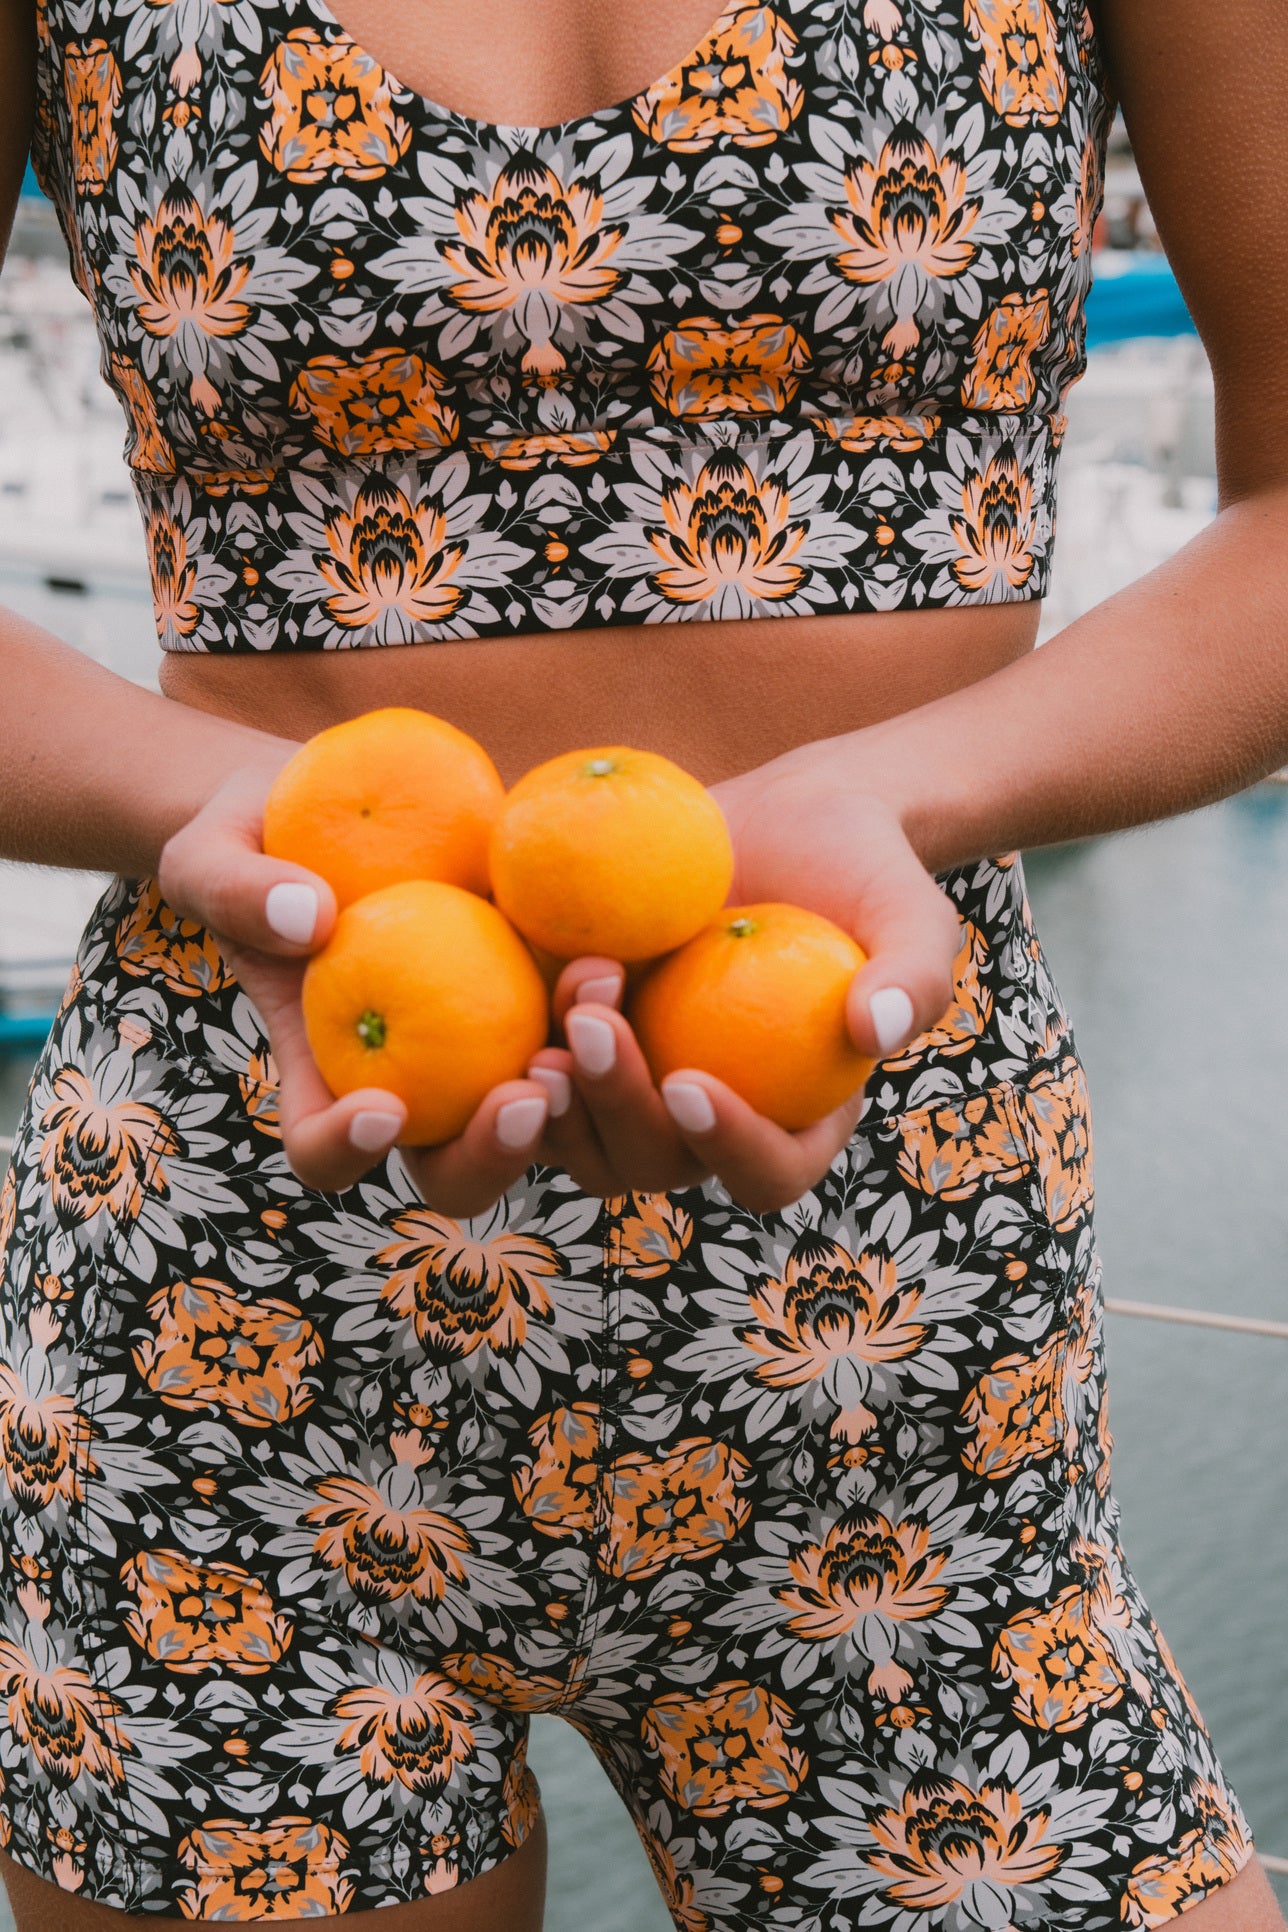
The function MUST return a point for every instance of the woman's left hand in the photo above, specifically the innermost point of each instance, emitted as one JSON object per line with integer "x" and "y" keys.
{"x": 804, "y": 832}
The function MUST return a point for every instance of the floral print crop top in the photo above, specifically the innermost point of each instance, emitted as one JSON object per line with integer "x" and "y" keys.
{"x": 788, "y": 332}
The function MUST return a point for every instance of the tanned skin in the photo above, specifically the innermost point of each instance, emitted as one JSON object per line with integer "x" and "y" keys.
{"x": 852, "y": 755}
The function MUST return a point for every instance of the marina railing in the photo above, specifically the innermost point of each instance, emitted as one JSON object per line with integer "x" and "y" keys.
{"x": 1150, "y": 1311}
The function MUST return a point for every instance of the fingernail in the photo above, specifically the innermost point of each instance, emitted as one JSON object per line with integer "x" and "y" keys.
{"x": 292, "y": 912}
{"x": 371, "y": 1133}
{"x": 689, "y": 1107}
{"x": 519, "y": 1122}
{"x": 604, "y": 992}
{"x": 891, "y": 1011}
{"x": 593, "y": 1043}
{"x": 558, "y": 1087}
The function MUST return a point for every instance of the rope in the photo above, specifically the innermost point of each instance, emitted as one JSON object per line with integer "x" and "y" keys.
{"x": 1158, "y": 1311}
{"x": 1273, "y": 1864}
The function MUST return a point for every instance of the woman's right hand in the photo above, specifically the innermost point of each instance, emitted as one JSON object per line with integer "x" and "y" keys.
{"x": 268, "y": 916}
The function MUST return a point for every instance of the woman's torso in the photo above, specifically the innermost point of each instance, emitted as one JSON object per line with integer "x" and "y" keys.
{"x": 726, "y": 693}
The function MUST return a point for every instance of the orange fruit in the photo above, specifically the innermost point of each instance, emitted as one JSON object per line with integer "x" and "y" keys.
{"x": 610, "y": 851}
{"x": 395, "y": 794}
{"x": 426, "y": 991}
{"x": 758, "y": 1000}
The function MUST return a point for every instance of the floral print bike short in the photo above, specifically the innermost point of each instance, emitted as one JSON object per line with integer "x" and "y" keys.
{"x": 803, "y": 1520}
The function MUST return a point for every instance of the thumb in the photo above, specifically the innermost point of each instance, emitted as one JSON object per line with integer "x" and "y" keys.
{"x": 911, "y": 933}
{"x": 213, "y": 870}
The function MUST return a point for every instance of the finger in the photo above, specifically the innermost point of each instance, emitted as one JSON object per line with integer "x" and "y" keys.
{"x": 764, "y": 1167}
{"x": 570, "y": 1141}
{"x": 593, "y": 978}
{"x": 212, "y": 871}
{"x": 468, "y": 1175}
{"x": 911, "y": 933}
{"x": 638, "y": 1136}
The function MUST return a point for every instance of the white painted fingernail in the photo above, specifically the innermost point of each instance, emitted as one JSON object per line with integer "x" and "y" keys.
{"x": 604, "y": 992}
{"x": 371, "y": 1133}
{"x": 558, "y": 1088}
{"x": 519, "y": 1122}
{"x": 593, "y": 1043}
{"x": 892, "y": 1017}
{"x": 689, "y": 1107}
{"x": 292, "y": 912}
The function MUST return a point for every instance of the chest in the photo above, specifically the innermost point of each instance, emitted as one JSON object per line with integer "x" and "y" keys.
{"x": 305, "y": 239}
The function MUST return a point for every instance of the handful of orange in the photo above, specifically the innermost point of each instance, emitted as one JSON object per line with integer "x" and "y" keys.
{"x": 427, "y": 989}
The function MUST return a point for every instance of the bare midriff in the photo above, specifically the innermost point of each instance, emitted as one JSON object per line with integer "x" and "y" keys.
{"x": 720, "y": 698}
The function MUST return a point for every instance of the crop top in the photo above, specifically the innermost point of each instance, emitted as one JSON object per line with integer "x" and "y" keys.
{"x": 787, "y": 332}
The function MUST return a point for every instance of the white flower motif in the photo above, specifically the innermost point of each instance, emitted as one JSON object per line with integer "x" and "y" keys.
{"x": 990, "y": 528}
{"x": 898, "y": 221}
{"x": 394, "y": 555}
{"x": 732, "y": 528}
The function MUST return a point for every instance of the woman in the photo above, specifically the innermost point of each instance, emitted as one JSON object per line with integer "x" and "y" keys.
{"x": 777, "y": 1463}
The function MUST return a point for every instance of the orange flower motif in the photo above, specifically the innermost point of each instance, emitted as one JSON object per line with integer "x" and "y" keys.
{"x": 389, "y": 400}
{"x": 734, "y": 84}
{"x": 556, "y": 1489}
{"x": 910, "y": 213}
{"x": 947, "y": 1151}
{"x": 1163, "y": 1885}
{"x": 288, "y": 1871}
{"x": 189, "y": 274}
{"x": 1059, "y": 1658}
{"x": 1001, "y": 372}
{"x": 1059, "y": 1114}
{"x": 148, "y": 447}
{"x": 679, "y": 1508}
{"x": 92, "y": 87}
{"x": 330, "y": 109}
{"x": 418, "y": 1737}
{"x": 726, "y": 531}
{"x": 386, "y": 1548}
{"x": 521, "y": 1796}
{"x": 574, "y": 448}
{"x": 858, "y": 434}
{"x": 152, "y": 941}
{"x": 865, "y": 1565}
{"x": 98, "y": 1158}
{"x": 946, "y": 1836}
{"x": 705, "y": 368}
{"x": 173, "y": 578}
{"x": 1016, "y": 1410}
{"x": 728, "y": 1748}
{"x": 195, "y": 1617}
{"x": 963, "y": 1025}
{"x": 995, "y": 531}
{"x": 496, "y": 1681}
{"x": 258, "y": 1087}
{"x": 829, "y": 1305}
{"x": 213, "y": 1350}
{"x": 1019, "y": 1408}
{"x": 389, "y": 557}
{"x": 44, "y": 1444}
{"x": 68, "y": 1723}
{"x": 462, "y": 1294}
{"x": 1023, "y": 77}
{"x": 532, "y": 246}
{"x": 648, "y": 1242}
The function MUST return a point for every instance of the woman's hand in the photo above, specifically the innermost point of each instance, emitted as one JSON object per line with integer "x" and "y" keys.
{"x": 803, "y": 832}
{"x": 268, "y": 916}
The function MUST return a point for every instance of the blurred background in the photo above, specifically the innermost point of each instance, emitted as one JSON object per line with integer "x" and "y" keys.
{"x": 1171, "y": 946}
